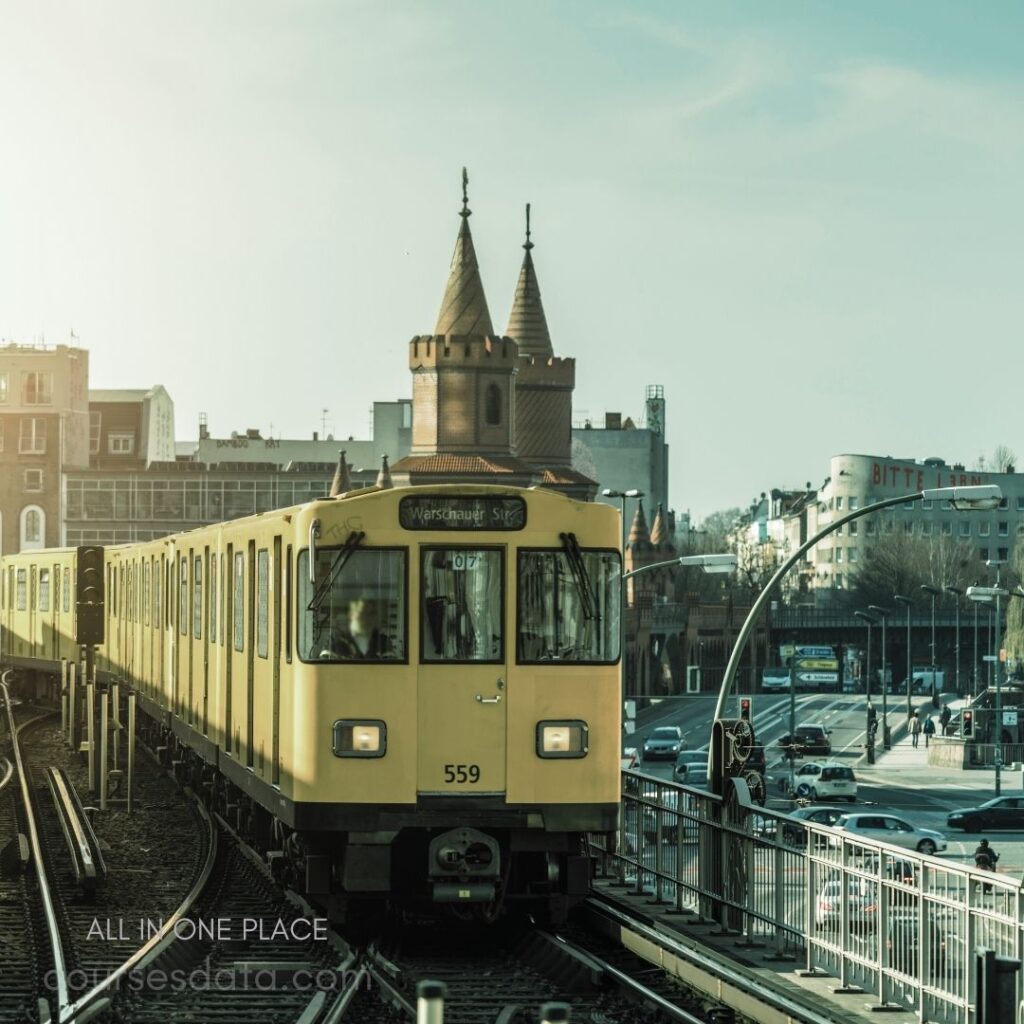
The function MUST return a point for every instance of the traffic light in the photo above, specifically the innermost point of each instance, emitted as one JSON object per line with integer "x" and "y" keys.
{"x": 745, "y": 709}
{"x": 90, "y": 595}
{"x": 967, "y": 723}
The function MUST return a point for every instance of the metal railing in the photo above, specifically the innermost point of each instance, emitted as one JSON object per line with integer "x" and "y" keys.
{"x": 899, "y": 925}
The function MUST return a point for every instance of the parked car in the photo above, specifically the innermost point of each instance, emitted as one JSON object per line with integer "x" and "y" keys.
{"x": 904, "y": 938}
{"x": 807, "y": 739}
{"x": 827, "y": 780}
{"x": 888, "y": 828}
{"x": 793, "y": 833}
{"x": 663, "y": 744}
{"x": 861, "y": 898}
{"x": 1002, "y": 812}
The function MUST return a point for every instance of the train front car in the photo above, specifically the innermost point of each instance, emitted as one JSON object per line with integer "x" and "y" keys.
{"x": 456, "y": 696}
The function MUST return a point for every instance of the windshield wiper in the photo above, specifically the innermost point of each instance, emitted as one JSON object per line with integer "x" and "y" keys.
{"x": 343, "y": 555}
{"x": 580, "y": 576}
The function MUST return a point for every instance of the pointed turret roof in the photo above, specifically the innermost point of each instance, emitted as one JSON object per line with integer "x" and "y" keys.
{"x": 659, "y": 532}
{"x": 638, "y": 533}
{"x": 342, "y": 482}
{"x": 527, "y": 323}
{"x": 464, "y": 307}
{"x": 384, "y": 476}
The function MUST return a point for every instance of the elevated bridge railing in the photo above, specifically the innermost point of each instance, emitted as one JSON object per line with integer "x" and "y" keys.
{"x": 899, "y": 924}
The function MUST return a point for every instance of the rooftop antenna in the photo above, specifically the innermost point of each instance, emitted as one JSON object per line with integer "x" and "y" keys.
{"x": 323, "y": 422}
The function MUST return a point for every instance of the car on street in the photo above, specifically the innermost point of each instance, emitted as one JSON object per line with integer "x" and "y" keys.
{"x": 826, "y": 780}
{"x": 687, "y": 761}
{"x": 807, "y": 739}
{"x": 890, "y": 828}
{"x": 1002, "y": 812}
{"x": 663, "y": 744}
{"x": 945, "y": 942}
{"x": 794, "y": 834}
{"x": 861, "y": 897}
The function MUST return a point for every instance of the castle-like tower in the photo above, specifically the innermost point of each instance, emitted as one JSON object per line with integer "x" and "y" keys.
{"x": 486, "y": 407}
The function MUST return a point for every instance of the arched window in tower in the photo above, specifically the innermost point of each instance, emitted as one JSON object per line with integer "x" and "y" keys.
{"x": 33, "y": 527}
{"x": 492, "y": 405}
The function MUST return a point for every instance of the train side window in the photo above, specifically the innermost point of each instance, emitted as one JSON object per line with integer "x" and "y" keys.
{"x": 566, "y": 615}
{"x": 462, "y": 605}
{"x": 223, "y": 590}
{"x": 56, "y": 588}
{"x": 262, "y": 600}
{"x": 239, "y": 602}
{"x": 183, "y": 596}
{"x": 67, "y": 589}
{"x": 356, "y": 611}
{"x": 33, "y": 588}
{"x": 286, "y": 604}
{"x": 213, "y": 599}
{"x": 22, "y": 590}
{"x": 197, "y": 596}
{"x": 147, "y": 591}
{"x": 44, "y": 590}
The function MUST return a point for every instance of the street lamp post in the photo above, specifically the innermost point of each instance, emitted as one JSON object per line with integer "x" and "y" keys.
{"x": 934, "y": 592}
{"x": 883, "y": 614}
{"x": 957, "y": 593}
{"x": 981, "y": 497}
{"x": 975, "y": 670}
{"x": 869, "y": 736}
{"x": 900, "y": 599}
{"x": 988, "y": 594}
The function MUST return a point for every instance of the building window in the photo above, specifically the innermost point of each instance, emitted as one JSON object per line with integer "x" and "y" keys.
{"x": 854, "y": 504}
{"x": 121, "y": 443}
{"x": 851, "y": 529}
{"x": 926, "y": 503}
{"x": 947, "y": 529}
{"x": 908, "y": 527}
{"x": 851, "y": 554}
{"x": 33, "y": 479}
{"x": 1004, "y": 529}
{"x": 95, "y": 420}
{"x": 839, "y": 581}
{"x": 839, "y": 503}
{"x": 36, "y": 388}
{"x": 965, "y": 528}
{"x": 33, "y": 527}
{"x": 984, "y": 529}
{"x": 839, "y": 554}
{"x": 1020, "y": 504}
{"x": 926, "y": 529}
{"x": 33, "y": 436}
{"x": 492, "y": 405}
{"x": 1005, "y": 503}
{"x": 1002, "y": 554}
{"x": 869, "y": 527}
{"x": 3, "y": 387}
{"x": 983, "y": 554}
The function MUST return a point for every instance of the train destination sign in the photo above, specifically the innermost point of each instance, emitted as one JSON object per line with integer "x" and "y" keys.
{"x": 445, "y": 512}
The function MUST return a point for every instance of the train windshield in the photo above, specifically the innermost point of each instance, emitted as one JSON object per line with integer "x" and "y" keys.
{"x": 558, "y": 622}
{"x": 462, "y": 611}
{"x": 359, "y": 615}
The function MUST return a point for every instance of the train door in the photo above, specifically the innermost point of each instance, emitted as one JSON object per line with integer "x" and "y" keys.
{"x": 232, "y": 596}
{"x": 33, "y": 608}
{"x": 275, "y": 710}
{"x": 210, "y": 600}
{"x": 250, "y": 665}
{"x": 462, "y": 671}
{"x": 195, "y": 627}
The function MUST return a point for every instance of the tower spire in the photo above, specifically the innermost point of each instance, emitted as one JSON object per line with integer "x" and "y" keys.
{"x": 342, "y": 481}
{"x": 527, "y": 323}
{"x": 464, "y": 306}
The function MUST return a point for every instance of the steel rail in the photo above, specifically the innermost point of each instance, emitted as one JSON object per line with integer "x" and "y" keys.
{"x": 7, "y": 775}
{"x": 145, "y": 954}
{"x": 383, "y": 973}
{"x": 50, "y": 913}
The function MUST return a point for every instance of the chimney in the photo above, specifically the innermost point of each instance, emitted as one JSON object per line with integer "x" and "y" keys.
{"x": 613, "y": 421}
{"x": 316, "y": 436}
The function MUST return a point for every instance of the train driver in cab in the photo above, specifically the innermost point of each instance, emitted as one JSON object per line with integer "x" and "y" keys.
{"x": 355, "y": 632}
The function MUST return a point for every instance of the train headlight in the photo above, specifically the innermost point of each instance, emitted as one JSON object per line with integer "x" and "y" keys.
{"x": 367, "y": 738}
{"x": 562, "y": 739}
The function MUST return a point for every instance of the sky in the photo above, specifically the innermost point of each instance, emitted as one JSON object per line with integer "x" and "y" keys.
{"x": 805, "y": 220}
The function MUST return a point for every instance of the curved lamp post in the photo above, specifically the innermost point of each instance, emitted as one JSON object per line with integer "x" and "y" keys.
{"x": 986, "y": 496}
{"x": 906, "y": 602}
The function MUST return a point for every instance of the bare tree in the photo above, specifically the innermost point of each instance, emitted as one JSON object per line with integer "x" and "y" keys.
{"x": 1003, "y": 460}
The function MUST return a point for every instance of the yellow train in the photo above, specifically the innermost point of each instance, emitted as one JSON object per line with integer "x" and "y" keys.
{"x": 408, "y": 694}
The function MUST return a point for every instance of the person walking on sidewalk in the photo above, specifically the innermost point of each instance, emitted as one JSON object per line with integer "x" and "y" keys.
{"x": 944, "y": 716}
{"x": 928, "y": 729}
{"x": 915, "y": 729}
